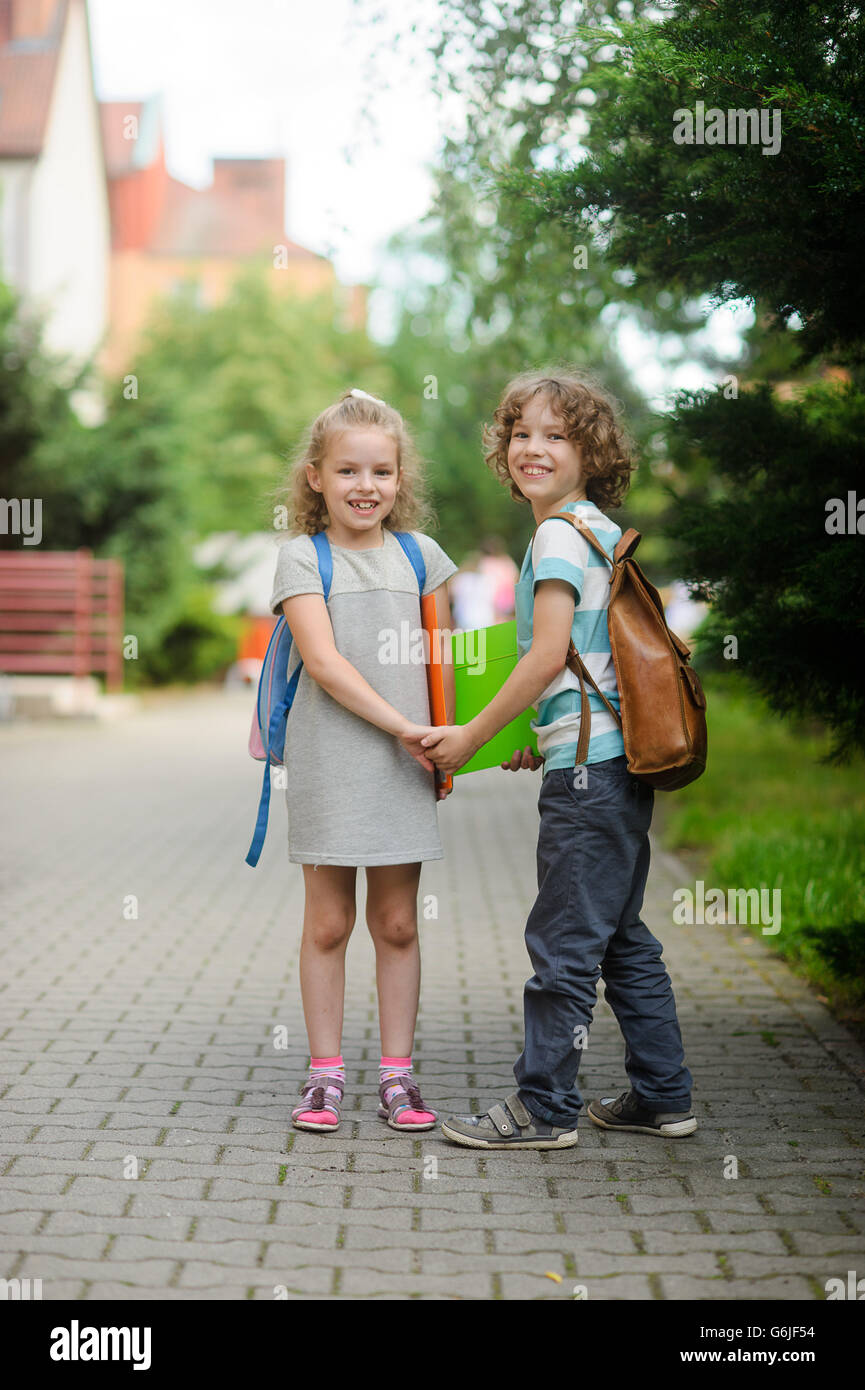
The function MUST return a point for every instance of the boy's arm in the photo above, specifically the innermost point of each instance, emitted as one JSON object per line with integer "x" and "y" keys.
{"x": 552, "y": 622}
{"x": 309, "y": 620}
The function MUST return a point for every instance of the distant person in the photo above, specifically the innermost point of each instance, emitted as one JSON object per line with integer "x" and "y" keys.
{"x": 497, "y": 565}
{"x": 360, "y": 791}
{"x": 472, "y": 595}
{"x": 683, "y": 613}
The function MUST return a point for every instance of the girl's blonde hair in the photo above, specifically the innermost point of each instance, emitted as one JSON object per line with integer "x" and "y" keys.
{"x": 591, "y": 418}
{"x": 307, "y": 508}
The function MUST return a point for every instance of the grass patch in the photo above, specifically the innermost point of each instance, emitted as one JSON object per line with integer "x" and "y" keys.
{"x": 768, "y": 813}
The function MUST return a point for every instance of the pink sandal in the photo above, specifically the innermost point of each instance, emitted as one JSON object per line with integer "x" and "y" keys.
{"x": 319, "y": 1094}
{"x": 408, "y": 1097}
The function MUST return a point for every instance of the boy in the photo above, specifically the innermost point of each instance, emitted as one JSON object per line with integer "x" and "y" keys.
{"x": 557, "y": 442}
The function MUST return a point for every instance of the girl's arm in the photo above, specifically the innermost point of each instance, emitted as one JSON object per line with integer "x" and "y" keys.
{"x": 552, "y": 621}
{"x": 309, "y": 620}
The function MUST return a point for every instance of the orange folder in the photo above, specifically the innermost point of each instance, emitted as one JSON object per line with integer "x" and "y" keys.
{"x": 435, "y": 678}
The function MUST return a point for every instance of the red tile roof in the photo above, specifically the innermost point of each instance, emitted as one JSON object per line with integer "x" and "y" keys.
{"x": 28, "y": 64}
{"x": 241, "y": 214}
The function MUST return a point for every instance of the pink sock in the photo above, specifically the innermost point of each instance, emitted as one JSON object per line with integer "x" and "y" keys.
{"x": 324, "y": 1066}
{"x": 401, "y": 1066}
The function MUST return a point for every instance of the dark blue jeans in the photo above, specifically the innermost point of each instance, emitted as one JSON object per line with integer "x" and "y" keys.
{"x": 593, "y": 861}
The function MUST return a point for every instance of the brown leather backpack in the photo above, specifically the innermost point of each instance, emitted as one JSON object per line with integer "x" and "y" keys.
{"x": 663, "y": 718}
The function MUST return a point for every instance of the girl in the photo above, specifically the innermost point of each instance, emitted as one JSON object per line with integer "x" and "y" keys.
{"x": 557, "y": 443}
{"x": 360, "y": 791}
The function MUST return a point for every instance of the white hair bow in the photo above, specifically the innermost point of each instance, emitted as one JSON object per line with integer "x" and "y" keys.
{"x": 356, "y": 391}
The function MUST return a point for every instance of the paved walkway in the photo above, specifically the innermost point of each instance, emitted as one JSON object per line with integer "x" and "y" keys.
{"x": 148, "y": 1064}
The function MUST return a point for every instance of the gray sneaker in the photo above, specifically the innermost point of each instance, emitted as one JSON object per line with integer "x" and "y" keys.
{"x": 507, "y": 1125}
{"x": 628, "y": 1112}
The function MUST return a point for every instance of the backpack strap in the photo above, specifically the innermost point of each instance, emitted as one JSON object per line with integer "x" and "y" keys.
{"x": 631, "y": 537}
{"x": 583, "y": 674}
{"x": 413, "y": 553}
{"x": 625, "y": 551}
{"x": 324, "y": 557}
{"x": 573, "y": 658}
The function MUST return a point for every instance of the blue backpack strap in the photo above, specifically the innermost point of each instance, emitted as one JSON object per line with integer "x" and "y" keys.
{"x": 264, "y": 800}
{"x": 325, "y": 561}
{"x": 413, "y": 553}
{"x": 324, "y": 557}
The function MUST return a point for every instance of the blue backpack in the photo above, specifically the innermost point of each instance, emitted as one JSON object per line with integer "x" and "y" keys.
{"x": 276, "y": 692}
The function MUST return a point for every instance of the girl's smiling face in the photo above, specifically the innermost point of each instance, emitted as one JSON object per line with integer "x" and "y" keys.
{"x": 359, "y": 479}
{"x": 546, "y": 466}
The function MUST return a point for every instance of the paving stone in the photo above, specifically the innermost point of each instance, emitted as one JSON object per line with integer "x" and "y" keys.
{"x": 591, "y": 1262}
{"x": 760, "y": 1242}
{"x": 580, "y": 1223}
{"x": 89, "y": 1246}
{"x": 119, "y": 1293}
{"x": 619, "y": 1286}
{"x": 19, "y": 1223}
{"x": 790, "y": 1287}
{"x": 142, "y": 1247}
{"x": 744, "y": 1264}
{"x": 301, "y": 1277}
{"x": 149, "y": 1273}
{"x": 829, "y": 1244}
{"x": 572, "y": 1243}
{"x": 361, "y": 1284}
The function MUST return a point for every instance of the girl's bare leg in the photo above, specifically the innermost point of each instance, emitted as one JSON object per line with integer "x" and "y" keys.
{"x": 328, "y": 918}
{"x": 391, "y": 914}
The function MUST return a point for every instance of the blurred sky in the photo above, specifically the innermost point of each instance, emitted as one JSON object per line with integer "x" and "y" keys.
{"x": 268, "y": 77}
{"x": 322, "y": 85}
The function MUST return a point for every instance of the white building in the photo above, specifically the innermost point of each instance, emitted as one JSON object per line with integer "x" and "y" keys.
{"x": 55, "y": 233}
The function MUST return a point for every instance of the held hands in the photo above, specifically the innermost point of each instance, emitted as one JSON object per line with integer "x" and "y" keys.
{"x": 411, "y": 740}
{"x": 411, "y": 737}
{"x": 450, "y": 746}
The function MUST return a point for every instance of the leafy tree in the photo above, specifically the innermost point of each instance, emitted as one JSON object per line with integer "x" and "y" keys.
{"x": 193, "y": 441}
{"x": 447, "y": 384}
{"x": 758, "y": 540}
{"x": 244, "y": 379}
{"x": 724, "y": 219}
{"x": 514, "y": 288}
{"x": 781, "y": 227}
{"x": 530, "y": 84}
{"x": 33, "y": 403}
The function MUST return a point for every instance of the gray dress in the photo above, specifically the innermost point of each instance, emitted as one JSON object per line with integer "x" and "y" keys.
{"x": 354, "y": 795}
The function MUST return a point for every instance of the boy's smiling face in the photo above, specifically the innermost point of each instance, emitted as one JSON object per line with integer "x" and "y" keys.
{"x": 546, "y": 466}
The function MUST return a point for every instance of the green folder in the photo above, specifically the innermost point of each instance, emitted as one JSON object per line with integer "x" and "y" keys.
{"x": 483, "y": 659}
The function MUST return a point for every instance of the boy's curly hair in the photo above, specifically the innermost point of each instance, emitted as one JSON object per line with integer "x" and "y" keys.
{"x": 307, "y": 508}
{"x": 591, "y": 418}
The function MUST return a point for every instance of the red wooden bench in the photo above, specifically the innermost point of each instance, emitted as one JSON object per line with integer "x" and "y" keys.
{"x": 61, "y": 613}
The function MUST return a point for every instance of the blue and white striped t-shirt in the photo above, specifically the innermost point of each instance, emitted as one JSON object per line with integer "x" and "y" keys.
{"x": 560, "y": 552}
